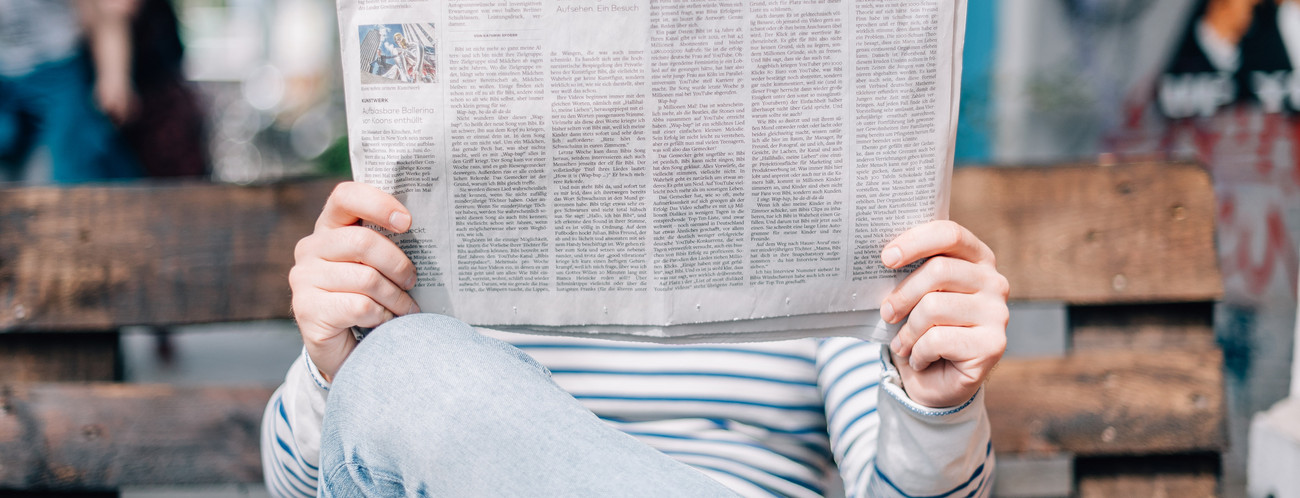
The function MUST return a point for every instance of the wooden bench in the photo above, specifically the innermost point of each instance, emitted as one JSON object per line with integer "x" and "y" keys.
{"x": 1131, "y": 402}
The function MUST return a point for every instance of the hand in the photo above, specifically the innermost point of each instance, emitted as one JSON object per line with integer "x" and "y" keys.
{"x": 956, "y": 310}
{"x": 345, "y": 274}
{"x": 116, "y": 99}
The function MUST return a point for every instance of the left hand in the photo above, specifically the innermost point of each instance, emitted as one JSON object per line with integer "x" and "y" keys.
{"x": 956, "y": 310}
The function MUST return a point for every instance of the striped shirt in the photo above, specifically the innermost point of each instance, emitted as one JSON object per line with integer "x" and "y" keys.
{"x": 790, "y": 418}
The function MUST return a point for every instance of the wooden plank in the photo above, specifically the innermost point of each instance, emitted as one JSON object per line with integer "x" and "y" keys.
{"x": 82, "y": 357}
{"x": 1093, "y": 234}
{"x": 1109, "y": 403}
{"x": 98, "y": 257}
{"x": 1192, "y": 476}
{"x": 1147, "y": 327}
{"x": 97, "y": 436}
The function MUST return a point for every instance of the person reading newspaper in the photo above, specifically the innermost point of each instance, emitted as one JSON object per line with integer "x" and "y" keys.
{"x": 427, "y": 405}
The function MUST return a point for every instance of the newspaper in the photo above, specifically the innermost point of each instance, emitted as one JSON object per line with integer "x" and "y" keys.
{"x": 669, "y": 170}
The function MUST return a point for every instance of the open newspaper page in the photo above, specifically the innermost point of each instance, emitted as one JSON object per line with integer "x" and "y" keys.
{"x": 655, "y": 169}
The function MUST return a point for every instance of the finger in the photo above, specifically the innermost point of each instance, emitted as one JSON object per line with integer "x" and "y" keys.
{"x": 947, "y": 309}
{"x": 324, "y": 319}
{"x": 325, "y": 316}
{"x": 941, "y": 274}
{"x": 353, "y": 278}
{"x": 972, "y": 350}
{"x": 932, "y": 239}
{"x": 354, "y": 244}
{"x": 352, "y": 202}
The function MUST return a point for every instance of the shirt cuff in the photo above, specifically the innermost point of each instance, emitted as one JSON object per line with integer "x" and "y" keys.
{"x": 314, "y": 372}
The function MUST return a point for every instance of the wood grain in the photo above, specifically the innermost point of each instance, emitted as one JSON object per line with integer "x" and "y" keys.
{"x": 105, "y": 435}
{"x": 73, "y": 356}
{"x": 1109, "y": 403}
{"x": 1096, "y": 234}
{"x": 1150, "y": 327}
{"x": 1191, "y": 475}
{"x": 98, "y": 257}
{"x": 96, "y": 436}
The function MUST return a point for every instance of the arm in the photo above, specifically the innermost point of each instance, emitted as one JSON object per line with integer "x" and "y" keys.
{"x": 920, "y": 428}
{"x": 108, "y": 32}
{"x": 343, "y": 275}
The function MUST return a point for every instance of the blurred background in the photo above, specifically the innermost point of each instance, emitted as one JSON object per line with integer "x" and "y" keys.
{"x": 1045, "y": 82}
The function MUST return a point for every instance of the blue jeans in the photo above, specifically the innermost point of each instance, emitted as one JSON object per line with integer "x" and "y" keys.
{"x": 53, "y": 106}
{"x": 426, "y": 406}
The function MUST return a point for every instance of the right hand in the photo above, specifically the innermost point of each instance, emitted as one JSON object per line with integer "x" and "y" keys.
{"x": 345, "y": 274}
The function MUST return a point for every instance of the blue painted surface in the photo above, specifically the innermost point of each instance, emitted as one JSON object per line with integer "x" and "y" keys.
{"x": 975, "y": 124}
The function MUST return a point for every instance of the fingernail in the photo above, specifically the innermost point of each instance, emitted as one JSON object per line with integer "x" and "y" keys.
{"x": 891, "y": 257}
{"x": 399, "y": 220}
{"x": 415, "y": 308}
{"x": 914, "y": 364}
{"x": 896, "y": 344}
{"x": 410, "y": 283}
{"x": 887, "y": 312}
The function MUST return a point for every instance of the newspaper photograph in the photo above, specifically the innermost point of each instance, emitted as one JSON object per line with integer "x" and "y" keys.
{"x": 670, "y": 170}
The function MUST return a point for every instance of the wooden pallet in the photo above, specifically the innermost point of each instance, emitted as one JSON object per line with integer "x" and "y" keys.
{"x": 1131, "y": 406}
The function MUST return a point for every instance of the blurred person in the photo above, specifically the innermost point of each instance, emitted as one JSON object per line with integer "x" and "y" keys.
{"x": 1232, "y": 52}
{"x": 139, "y": 84}
{"x": 427, "y": 405}
{"x": 47, "y": 95}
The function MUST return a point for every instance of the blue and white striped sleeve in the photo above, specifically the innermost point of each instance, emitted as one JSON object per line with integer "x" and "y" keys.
{"x": 291, "y": 431}
{"x": 884, "y": 443}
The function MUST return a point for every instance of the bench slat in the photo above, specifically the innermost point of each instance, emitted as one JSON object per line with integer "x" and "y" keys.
{"x": 106, "y": 435}
{"x": 1109, "y": 403}
{"x": 101, "y": 257}
{"x": 102, "y": 435}
{"x": 1094, "y": 234}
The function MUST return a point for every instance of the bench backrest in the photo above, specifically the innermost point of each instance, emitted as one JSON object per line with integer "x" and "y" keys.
{"x": 1126, "y": 251}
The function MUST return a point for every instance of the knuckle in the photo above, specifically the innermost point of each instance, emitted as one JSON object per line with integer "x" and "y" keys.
{"x": 371, "y": 281}
{"x": 359, "y": 240}
{"x": 405, "y": 267}
{"x": 999, "y": 345}
{"x": 906, "y": 332}
{"x": 345, "y": 196}
{"x": 1001, "y": 316}
{"x": 341, "y": 191}
{"x": 355, "y": 307}
{"x": 944, "y": 269}
{"x": 925, "y": 306}
{"x": 298, "y": 307}
{"x": 1000, "y": 285}
{"x": 952, "y": 233}
{"x": 302, "y": 249}
{"x": 296, "y": 277}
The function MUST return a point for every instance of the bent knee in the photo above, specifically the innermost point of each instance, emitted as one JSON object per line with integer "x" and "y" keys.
{"x": 408, "y": 342}
{"x": 424, "y": 347}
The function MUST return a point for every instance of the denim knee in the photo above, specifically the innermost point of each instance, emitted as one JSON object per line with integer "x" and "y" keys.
{"x": 420, "y": 363}
{"x": 425, "y": 345}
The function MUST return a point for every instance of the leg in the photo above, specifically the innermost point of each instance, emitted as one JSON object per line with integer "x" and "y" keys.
{"x": 427, "y": 406}
{"x": 84, "y": 145}
{"x": 17, "y": 133}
